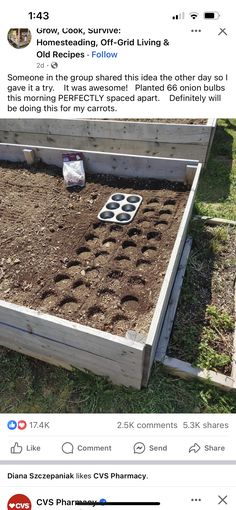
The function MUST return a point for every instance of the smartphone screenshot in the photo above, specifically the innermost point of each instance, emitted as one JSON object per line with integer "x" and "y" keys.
{"x": 117, "y": 255}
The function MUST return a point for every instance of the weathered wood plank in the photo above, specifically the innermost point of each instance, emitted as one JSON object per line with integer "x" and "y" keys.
{"x": 215, "y": 221}
{"x": 68, "y": 356}
{"x": 173, "y": 303}
{"x": 190, "y": 173}
{"x": 149, "y": 148}
{"x": 62, "y": 342}
{"x": 101, "y": 162}
{"x": 187, "y": 371}
{"x": 171, "y": 133}
{"x": 127, "y": 137}
{"x": 213, "y": 124}
{"x": 21, "y": 344}
{"x": 77, "y": 336}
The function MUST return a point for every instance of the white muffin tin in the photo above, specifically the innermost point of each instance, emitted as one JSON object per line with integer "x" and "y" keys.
{"x": 120, "y": 208}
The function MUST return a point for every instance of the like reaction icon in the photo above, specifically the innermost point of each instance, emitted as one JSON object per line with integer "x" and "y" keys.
{"x": 21, "y": 425}
{"x": 12, "y": 424}
{"x": 16, "y": 449}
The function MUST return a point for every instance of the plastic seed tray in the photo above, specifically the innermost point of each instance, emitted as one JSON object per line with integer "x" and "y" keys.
{"x": 120, "y": 208}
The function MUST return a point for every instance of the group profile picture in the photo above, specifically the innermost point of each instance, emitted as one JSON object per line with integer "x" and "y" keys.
{"x": 19, "y": 37}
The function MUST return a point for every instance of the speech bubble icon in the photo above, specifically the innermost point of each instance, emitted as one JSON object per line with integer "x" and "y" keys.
{"x": 139, "y": 448}
{"x": 67, "y": 448}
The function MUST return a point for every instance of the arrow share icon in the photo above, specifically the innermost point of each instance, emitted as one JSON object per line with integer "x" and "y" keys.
{"x": 194, "y": 448}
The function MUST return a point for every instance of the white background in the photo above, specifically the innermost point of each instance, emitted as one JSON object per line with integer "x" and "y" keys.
{"x": 174, "y": 487}
{"x": 189, "y": 53}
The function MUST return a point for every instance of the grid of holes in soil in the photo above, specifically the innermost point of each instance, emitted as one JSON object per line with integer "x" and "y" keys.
{"x": 114, "y": 279}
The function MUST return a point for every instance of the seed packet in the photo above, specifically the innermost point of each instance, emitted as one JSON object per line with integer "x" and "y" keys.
{"x": 73, "y": 169}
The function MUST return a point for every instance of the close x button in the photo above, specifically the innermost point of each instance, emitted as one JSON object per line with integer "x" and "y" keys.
{"x": 222, "y": 500}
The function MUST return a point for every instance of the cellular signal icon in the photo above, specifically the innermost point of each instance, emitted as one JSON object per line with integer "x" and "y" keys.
{"x": 179, "y": 16}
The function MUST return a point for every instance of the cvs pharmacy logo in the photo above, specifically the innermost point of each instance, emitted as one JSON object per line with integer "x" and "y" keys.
{"x": 19, "y": 502}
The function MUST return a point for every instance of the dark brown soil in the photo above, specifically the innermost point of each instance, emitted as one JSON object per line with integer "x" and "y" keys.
{"x": 56, "y": 256}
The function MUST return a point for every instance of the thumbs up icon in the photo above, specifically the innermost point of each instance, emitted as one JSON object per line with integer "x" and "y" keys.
{"x": 16, "y": 448}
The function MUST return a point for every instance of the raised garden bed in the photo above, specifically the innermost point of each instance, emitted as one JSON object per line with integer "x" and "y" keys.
{"x": 186, "y": 140}
{"x": 57, "y": 257}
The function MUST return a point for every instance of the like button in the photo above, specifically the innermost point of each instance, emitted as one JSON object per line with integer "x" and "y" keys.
{"x": 16, "y": 448}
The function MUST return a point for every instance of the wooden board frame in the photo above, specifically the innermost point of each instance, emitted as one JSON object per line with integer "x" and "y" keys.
{"x": 68, "y": 344}
{"x": 184, "y": 141}
{"x": 180, "y": 367}
{"x": 161, "y": 306}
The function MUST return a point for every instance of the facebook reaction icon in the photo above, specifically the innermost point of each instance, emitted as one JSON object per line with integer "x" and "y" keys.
{"x": 12, "y": 424}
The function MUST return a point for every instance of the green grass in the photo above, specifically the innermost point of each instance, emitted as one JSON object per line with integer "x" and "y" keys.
{"x": 218, "y": 319}
{"x": 208, "y": 357}
{"x": 219, "y": 323}
{"x": 203, "y": 335}
{"x": 28, "y": 385}
{"x": 217, "y": 191}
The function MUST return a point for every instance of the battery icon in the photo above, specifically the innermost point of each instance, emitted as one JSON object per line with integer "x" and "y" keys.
{"x": 211, "y": 15}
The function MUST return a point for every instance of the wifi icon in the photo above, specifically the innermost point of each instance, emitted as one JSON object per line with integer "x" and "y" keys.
{"x": 193, "y": 15}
